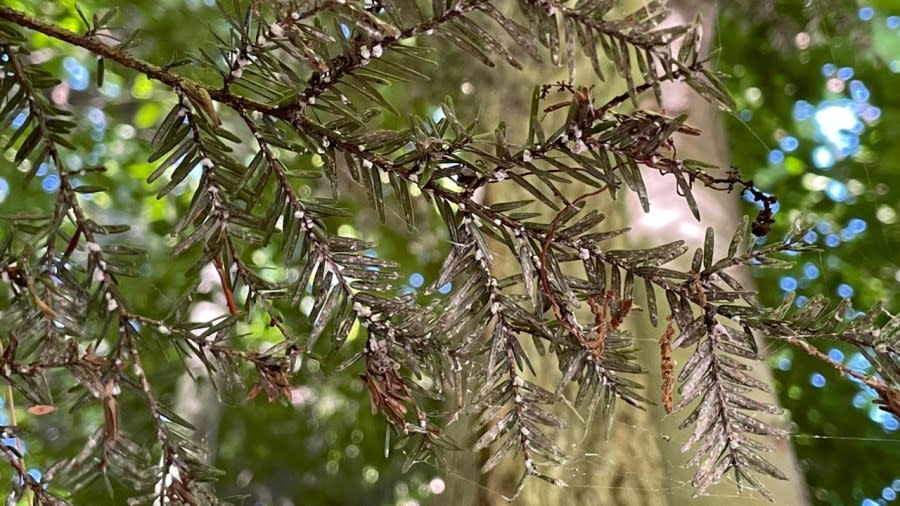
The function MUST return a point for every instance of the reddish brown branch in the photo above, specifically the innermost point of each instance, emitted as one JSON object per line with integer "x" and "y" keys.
{"x": 226, "y": 286}
{"x": 558, "y": 308}
{"x": 73, "y": 242}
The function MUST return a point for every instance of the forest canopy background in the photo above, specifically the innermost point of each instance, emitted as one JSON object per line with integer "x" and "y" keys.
{"x": 834, "y": 65}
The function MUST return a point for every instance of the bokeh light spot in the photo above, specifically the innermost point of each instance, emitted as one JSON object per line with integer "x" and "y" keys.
{"x": 838, "y": 123}
{"x": 822, "y": 157}
{"x": 142, "y": 88}
{"x": 50, "y": 183}
{"x": 436, "y": 486}
{"x": 835, "y": 85}
{"x": 856, "y": 225}
{"x": 753, "y": 96}
{"x": 784, "y": 364}
{"x": 836, "y": 191}
{"x": 810, "y": 270}
{"x": 803, "y": 110}
{"x": 35, "y": 474}
{"x": 858, "y": 91}
{"x": 871, "y": 113}
{"x": 845, "y": 290}
{"x": 836, "y": 355}
{"x": 19, "y": 120}
{"x": 859, "y": 363}
{"x": 817, "y": 380}
{"x": 787, "y": 283}
{"x": 776, "y": 156}
{"x": 789, "y": 143}
{"x": 79, "y": 77}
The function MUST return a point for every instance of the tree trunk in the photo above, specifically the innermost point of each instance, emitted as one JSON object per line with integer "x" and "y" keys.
{"x": 604, "y": 469}
{"x": 670, "y": 219}
{"x": 639, "y": 463}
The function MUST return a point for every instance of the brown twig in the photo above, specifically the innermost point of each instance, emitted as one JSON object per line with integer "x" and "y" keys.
{"x": 117, "y": 55}
{"x": 882, "y": 388}
{"x": 558, "y": 308}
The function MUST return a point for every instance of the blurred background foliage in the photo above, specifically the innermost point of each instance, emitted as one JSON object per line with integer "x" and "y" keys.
{"x": 816, "y": 126}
